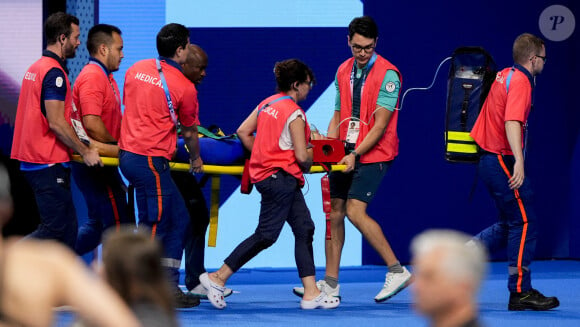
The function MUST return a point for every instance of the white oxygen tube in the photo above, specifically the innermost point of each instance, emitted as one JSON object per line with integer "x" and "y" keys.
{"x": 402, "y": 98}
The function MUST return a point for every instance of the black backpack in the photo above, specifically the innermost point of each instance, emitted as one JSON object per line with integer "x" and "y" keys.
{"x": 471, "y": 74}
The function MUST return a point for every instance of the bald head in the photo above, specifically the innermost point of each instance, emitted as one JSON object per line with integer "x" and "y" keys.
{"x": 196, "y": 64}
{"x": 197, "y": 52}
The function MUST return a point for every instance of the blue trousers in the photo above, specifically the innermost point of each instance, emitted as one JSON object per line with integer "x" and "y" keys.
{"x": 516, "y": 228}
{"x": 282, "y": 201}
{"x": 161, "y": 207}
{"x": 106, "y": 201}
{"x": 199, "y": 221}
{"x": 58, "y": 219}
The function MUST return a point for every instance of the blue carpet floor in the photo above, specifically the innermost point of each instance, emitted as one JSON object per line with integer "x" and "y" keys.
{"x": 264, "y": 298}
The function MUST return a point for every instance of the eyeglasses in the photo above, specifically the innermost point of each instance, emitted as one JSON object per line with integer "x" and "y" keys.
{"x": 368, "y": 49}
{"x": 544, "y": 58}
{"x": 309, "y": 83}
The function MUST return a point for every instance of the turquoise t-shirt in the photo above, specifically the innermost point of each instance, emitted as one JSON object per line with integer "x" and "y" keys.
{"x": 388, "y": 93}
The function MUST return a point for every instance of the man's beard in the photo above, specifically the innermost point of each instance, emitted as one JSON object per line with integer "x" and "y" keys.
{"x": 69, "y": 52}
{"x": 112, "y": 65}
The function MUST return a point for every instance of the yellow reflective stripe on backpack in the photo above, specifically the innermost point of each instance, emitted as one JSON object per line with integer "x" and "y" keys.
{"x": 460, "y": 142}
{"x": 462, "y": 148}
{"x": 459, "y": 136}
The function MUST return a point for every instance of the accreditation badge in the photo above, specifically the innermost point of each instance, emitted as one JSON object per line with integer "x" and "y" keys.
{"x": 352, "y": 132}
{"x": 78, "y": 125}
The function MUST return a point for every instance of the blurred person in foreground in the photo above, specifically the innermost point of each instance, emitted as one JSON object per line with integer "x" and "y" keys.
{"x": 132, "y": 266}
{"x": 448, "y": 274}
{"x": 37, "y": 276}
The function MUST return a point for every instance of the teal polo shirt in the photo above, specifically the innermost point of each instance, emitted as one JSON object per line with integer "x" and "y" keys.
{"x": 387, "y": 94}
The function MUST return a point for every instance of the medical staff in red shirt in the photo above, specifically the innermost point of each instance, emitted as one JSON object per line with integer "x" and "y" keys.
{"x": 280, "y": 156}
{"x": 96, "y": 97}
{"x": 500, "y": 132}
{"x": 159, "y": 99}
{"x": 43, "y": 136}
{"x": 367, "y": 93}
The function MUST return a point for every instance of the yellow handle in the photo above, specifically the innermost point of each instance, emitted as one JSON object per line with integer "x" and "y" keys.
{"x": 209, "y": 169}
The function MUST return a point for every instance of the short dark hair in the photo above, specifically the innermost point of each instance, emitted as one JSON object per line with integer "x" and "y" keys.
{"x": 100, "y": 34}
{"x": 171, "y": 37}
{"x": 289, "y": 71}
{"x": 364, "y": 26}
{"x": 57, "y": 24}
{"x": 526, "y": 46}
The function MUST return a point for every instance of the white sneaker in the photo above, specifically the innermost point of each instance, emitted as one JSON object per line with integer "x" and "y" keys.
{"x": 200, "y": 292}
{"x": 322, "y": 286}
{"x": 394, "y": 283}
{"x": 323, "y": 301}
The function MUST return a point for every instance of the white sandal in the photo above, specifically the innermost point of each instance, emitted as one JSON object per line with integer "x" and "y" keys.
{"x": 215, "y": 293}
{"x": 323, "y": 301}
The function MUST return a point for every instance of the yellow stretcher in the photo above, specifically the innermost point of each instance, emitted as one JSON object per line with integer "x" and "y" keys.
{"x": 215, "y": 172}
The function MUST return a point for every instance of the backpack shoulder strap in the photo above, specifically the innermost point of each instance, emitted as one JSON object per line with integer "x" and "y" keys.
{"x": 508, "y": 79}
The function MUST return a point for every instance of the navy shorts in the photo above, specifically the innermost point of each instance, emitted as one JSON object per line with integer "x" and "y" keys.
{"x": 362, "y": 183}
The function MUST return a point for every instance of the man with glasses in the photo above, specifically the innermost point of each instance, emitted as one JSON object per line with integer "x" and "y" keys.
{"x": 499, "y": 131}
{"x": 365, "y": 118}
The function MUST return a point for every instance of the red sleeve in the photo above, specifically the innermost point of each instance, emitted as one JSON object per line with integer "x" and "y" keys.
{"x": 519, "y": 100}
{"x": 91, "y": 95}
{"x": 189, "y": 107}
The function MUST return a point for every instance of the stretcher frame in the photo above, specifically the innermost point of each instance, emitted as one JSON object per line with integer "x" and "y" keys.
{"x": 215, "y": 173}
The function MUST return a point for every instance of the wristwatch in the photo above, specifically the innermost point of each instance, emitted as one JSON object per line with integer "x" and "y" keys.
{"x": 356, "y": 155}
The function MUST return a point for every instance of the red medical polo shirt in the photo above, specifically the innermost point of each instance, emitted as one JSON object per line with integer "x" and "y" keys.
{"x": 96, "y": 93}
{"x": 147, "y": 128}
{"x": 503, "y": 104}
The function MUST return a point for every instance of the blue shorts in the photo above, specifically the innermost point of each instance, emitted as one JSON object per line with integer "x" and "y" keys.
{"x": 362, "y": 183}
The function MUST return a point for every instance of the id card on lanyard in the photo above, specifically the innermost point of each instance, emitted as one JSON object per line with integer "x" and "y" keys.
{"x": 352, "y": 131}
{"x": 354, "y": 124}
{"x": 75, "y": 119}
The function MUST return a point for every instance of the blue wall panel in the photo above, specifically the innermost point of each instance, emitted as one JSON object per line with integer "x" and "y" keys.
{"x": 422, "y": 190}
{"x": 234, "y": 86}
